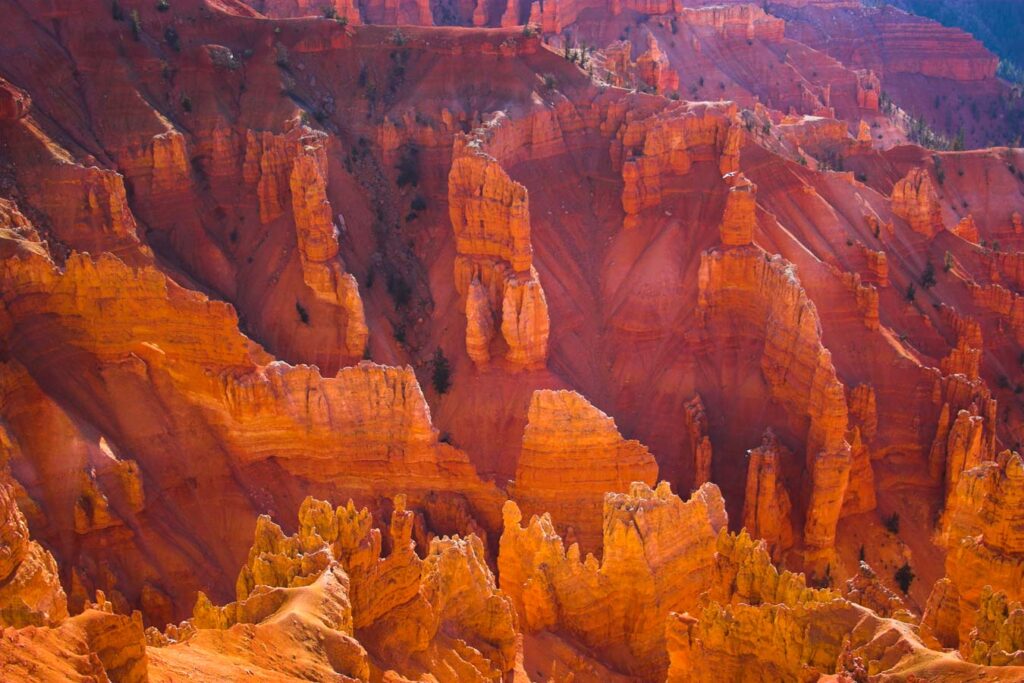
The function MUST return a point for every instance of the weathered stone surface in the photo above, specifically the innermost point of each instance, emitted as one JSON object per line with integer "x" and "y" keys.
{"x": 982, "y": 530}
{"x": 765, "y": 293}
{"x": 766, "y": 506}
{"x": 490, "y": 216}
{"x": 658, "y": 555}
{"x": 914, "y": 200}
{"x": 652, "y": 151}
{"x": 700, "y": 443}
{"x": 572, "y": 456}
{"x": 30, "y": 590}
{"x": 739, "y": 220}
{"x": 405, "y": 611}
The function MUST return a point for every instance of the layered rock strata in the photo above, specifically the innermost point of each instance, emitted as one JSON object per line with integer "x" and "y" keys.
{"x": 657, "y": 555}
{"x": 494, "y": 271}
{"x": 765, "y": 293}
{"x": 572, "y": 456}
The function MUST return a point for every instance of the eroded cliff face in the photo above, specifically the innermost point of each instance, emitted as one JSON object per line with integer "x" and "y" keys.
{"x": 245, "y": 259}
{"x": 984, "y": 551}
{"x": 490, "y": 215}
{"x": 31, "y": 594}
{"x": 572, "y": 456}
{"x": 441, "y": 614}
{"x": 657, "y": 554}
{"x": 759, "y": 625}
{"x": 744, "y": 283}
{"x": 246, "y": 413}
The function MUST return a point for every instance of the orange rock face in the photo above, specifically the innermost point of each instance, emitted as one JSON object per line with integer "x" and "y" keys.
{"x": 739, "y": 221}
{"x": 474, "y": 287}
{"x": 31, "y": 593}
{"x": 490, "y": 215}
{"x": 980, "y": 528}
{"x": 572, "y": 456}
{"x": 764, "y": 293}
{"x": 411, "y": 615}
{"x": 657, "y": 553}
{"x": 766, "y": 507}
{"x": 915, "y": 201}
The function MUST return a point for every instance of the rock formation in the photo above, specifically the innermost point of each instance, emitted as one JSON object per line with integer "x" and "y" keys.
{"x": 490, "y": 215}
{"x": 766, "y": 507}
{"x": 915, "y": 201}
{"x": 980, "y": 530}
{"x": 255, "y": 253}
{"x": 797, "y": 369}
{"x": 654, "y": 151}
{"x": 31, "y": 593}
{"x": 657, "y": 555}
{"x": 760, "y": 620}
{"x": 739, "y": 219}
{"x": 572, "y": 456}
{"x": 440, "y": 613}
{"x": 654, "y": 69}
{"x": 700, "y": 443}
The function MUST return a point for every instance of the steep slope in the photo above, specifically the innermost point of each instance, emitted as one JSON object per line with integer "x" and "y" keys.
{"x": 478, "y": 283}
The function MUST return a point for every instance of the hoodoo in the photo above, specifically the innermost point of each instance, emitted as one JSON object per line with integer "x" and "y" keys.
{"x": 450, "y": 341}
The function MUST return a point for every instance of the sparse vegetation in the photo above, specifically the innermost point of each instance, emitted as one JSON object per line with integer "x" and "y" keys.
{"x": 892, "y": 523}
{"x": 303, "y": 313}
{"x": 399, "y": 289}
{"x": 441, "y": 372}
{"x": 947, "y": 263}
{"x": 904, "y": 576}
{"x": 171, "y": 36}
{"x": 911, "y": 292}
{"x": 163, "y": 6}
{"x": 928, "y": 276}
{"x": 408, "y": 167}
{"x": 282, "y": 57}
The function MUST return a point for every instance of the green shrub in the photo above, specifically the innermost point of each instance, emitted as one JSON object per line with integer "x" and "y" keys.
{"x": 303, "y": 313}
{"x": 928, "y": 276}
{"x": 171, "y": 36}
{"x": 441, "y": 373}
{"x": 904, "y": 576}
{"x": 409, "y": 167}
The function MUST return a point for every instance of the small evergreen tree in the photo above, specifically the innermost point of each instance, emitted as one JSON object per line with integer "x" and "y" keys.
{"x": 441, "y": 376}
{"x": 928, "y": 276}
{"x": 904, "y": 576}
{"x": 303, "y": 313}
